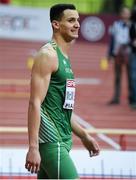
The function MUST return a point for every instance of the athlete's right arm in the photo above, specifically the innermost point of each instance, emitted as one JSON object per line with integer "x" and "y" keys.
{"x": 40, "y": 78}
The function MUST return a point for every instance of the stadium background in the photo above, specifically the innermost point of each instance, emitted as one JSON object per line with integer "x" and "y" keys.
{"x": 113, "y": 127}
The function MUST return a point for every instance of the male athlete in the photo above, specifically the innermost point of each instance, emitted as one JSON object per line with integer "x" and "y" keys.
{"x": 51, "y": 102}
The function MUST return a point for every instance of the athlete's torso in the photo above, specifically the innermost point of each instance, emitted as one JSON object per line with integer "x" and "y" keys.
{"x": 57, "y": 106}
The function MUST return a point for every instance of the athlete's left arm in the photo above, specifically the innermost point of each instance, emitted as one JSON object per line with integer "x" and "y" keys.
{"x": 88, "y": 141}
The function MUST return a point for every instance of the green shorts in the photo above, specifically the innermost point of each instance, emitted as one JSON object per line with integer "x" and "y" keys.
{"x": 56, "y": 162}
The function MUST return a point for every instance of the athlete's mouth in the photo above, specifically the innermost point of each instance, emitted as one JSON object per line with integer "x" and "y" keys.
{"x": 74, "y": 31}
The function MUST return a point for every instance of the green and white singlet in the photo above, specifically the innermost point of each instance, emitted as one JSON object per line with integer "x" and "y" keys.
{"x": 57, "y": 106}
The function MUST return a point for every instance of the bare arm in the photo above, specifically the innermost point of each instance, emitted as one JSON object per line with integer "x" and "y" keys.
{"x": 89, "y": 142}
{"x": 40, "y": 79}
{"x": 39, "y": 86}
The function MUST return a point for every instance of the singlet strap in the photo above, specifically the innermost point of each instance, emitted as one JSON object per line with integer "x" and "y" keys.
{"x": 54, "y": 45}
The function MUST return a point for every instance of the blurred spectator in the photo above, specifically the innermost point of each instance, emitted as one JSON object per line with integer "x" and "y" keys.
{"x": 119, "y": 50}
{"x": 117, "y": 5}
{"x": 133, "y": 58}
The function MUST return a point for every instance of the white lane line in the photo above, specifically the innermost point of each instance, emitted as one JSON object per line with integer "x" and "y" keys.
{"x": 101, "y": 136}
{"x": 25, "y": 82}
{"x": 90, "y": 81}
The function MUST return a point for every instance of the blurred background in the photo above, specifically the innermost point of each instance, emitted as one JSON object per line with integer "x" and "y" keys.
{"x": 24, "y": 28}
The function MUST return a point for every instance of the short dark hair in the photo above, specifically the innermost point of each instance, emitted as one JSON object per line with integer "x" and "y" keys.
{"x": 133, "y": 15}
{"x": 56, "y": 11}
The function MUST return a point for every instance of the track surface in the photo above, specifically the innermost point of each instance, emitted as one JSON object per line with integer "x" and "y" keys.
{"x": 91, "y": 98}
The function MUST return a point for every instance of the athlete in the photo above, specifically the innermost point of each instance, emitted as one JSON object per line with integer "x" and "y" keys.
{"x": 50, "y": 118}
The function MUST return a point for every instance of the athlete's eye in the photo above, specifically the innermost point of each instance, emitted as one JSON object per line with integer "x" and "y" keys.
{"x": 71, "y": 20}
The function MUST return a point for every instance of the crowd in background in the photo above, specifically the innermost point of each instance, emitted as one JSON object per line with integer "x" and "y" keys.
{"x": 122, "y": 50}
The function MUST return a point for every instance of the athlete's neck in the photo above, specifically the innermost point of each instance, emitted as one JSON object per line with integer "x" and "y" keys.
{"x": 62, "y": 44}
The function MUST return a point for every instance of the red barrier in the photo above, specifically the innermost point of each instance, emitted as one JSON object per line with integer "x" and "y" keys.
{"x": 123, "y": 142}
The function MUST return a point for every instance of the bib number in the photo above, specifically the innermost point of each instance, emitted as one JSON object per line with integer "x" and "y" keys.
{"x": 70, "y": 94}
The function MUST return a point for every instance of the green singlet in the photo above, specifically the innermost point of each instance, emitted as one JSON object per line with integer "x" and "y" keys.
{"x": 55, "y": 133}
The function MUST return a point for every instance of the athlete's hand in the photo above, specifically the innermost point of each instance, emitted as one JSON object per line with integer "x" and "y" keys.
{"x": 33, "y": 160}
{"x": 91, "y": 145}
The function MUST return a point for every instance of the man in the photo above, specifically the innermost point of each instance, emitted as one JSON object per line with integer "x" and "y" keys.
{"x": 119, "y": 51}
{"x": 52, "y": 95}
{"x": 132, "y": 60}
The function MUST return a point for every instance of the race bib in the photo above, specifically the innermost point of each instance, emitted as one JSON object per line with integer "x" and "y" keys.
{"x": 70, "y": 94}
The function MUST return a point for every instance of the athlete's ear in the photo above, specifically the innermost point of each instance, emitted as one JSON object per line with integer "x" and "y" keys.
{"x": 55, "y": 24}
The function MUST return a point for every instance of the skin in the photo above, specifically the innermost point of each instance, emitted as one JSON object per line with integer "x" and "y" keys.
{"x": 125, "y": 14}
{"x": 46, "y": 62}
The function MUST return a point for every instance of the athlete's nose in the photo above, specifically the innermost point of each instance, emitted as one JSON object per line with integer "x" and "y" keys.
{"x": 77, "y": 24}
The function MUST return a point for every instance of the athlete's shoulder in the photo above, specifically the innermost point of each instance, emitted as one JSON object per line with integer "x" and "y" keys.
{"x": 48, "y": 51}
{"x": 46, "y": 58}
{"x": 46, "y": 54}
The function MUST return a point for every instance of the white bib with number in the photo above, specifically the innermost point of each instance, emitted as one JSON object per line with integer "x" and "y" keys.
{"x": 70, "y": 94}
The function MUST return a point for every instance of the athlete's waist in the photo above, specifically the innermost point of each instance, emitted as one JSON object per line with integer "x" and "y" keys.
{"x": 67, "y": 144}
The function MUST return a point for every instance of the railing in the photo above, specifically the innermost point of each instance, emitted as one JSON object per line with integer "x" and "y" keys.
{"x": 121, "y": 132}
{"x": 112, "y": 131}
{"x": 4, "y": 129}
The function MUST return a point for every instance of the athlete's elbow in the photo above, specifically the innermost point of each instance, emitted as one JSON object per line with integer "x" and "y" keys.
{"x": 34, "y": 104}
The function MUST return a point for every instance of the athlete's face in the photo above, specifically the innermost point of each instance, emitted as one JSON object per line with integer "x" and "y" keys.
{"x": 125, "y": 14}
{"x": 69, "y": 25}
